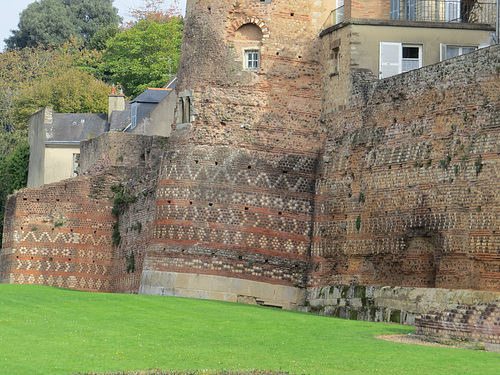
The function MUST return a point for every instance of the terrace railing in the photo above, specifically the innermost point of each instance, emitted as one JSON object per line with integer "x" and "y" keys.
{"x": 465, "y": 11}
{"x": 335, "y": 17}
{"x": 460, "y": 11}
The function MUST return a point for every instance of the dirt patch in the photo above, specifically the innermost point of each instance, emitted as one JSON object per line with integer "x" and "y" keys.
{"x": 409, "y": 339}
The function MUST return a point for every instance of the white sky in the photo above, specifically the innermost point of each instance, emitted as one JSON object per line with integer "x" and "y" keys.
{"x": 11, "y": 9}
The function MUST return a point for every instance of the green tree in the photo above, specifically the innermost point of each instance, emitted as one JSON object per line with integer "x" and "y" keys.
{"x": 14, "y": 160}
{"x": 141, "y": 56}
{"x": 54, "y": 22}
{"x": 31, "y": 78}
{"x": 101, "y": 37}
{"x": 67, "y": 91}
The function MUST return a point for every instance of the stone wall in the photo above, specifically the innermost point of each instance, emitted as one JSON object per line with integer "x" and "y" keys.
{"x": 407, "y": 195}
{"x": 390, "y": 304}
{"x": 478, "y": 323}
{"x": 62, "y": 234}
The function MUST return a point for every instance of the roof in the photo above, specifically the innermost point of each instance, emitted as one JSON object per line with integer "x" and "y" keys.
{"x": 152, "y": 95}
{"x": 120, "y": 119}
{"x": 75, "y": 127}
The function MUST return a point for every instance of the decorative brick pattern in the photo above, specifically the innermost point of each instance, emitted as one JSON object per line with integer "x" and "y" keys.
{"x": 245, "y": 209}
{"x": 478, "y": 323}
{"x": 406, "y": 196}
{"x": 61, "y": 234}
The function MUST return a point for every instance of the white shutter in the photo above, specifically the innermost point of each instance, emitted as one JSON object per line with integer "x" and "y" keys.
{"x": 390, "y": 59}
{"x": 442, "y": 52}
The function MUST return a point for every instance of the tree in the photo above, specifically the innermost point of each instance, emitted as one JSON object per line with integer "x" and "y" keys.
{"x": 55, "y": 21}
{"x": 14, "y": 160}
{"x": 67, "y": 91}
{"x": 30, "y": 79}
{"x": 17, "y": 68}
{"x": 155, "y": 11}
{"x": 27, "y": 74}
{"x": 138, "y": 57}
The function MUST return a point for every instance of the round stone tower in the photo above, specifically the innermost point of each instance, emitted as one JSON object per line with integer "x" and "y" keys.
{"x": 235, "y": 199}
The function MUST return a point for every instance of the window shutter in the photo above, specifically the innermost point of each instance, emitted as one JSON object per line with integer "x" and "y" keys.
{"x": 390, "y": 59}
{"x": 442, "y": 52}
{"x": 410, "y": 10}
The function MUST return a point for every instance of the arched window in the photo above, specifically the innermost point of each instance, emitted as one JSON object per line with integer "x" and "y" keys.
{"x": 249, "y": 38}
{"x": 185, "y": 107}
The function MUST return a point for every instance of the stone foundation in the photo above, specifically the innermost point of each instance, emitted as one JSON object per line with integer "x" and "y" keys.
{"x": 220, "y": 288}
{"x": 389, "y": 304}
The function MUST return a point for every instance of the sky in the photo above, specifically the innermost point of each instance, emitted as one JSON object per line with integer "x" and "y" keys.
{"x": 9, "y": 16}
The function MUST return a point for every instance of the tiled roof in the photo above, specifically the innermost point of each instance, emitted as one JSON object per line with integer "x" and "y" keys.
{"x": 75, "y": 127}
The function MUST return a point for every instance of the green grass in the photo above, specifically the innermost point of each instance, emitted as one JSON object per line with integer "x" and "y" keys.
{"x": 46, "y": 330}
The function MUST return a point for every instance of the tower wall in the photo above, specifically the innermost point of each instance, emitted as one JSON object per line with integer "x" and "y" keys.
{"x": 236, "y": 191}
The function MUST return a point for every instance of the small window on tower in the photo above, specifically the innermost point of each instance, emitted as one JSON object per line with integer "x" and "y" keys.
{"x": 334, "y": 61}
{"x": 252, "y": 59}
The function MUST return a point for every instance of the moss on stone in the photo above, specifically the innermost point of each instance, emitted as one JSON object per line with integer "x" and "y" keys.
{"x": 395, "y": 316}
{"x": 360, "y": 292}
{"x": 353, "y": 315}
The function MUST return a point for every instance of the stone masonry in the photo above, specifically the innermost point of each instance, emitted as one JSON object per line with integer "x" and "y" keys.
{"x": 62, "y": 234}
{"x": 406, "y": 191}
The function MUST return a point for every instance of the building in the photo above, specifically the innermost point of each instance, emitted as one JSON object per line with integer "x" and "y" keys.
{"x": 55, "y": 138}
{"x": 393, "y": 37}
{"x": 152, "y": 109}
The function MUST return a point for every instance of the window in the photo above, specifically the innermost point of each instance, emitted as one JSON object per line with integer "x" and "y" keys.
{"x": 452, "y": 11}
{"x": 448, "y": 52}
{"x": 395, "y": 9}
{"x": 186, "y": 115}
{"x": 185, "y": 108}
{"x": 396, "y": 58}
{"x": 252, "y": 59}
{"x": 410, "y": 10}
{"x": 133, "y": 116}
{"x": 334, "y": 61}
{"x": 76, "y": 164}
{"x": 411, "y": 58}
{"x": 339, "y": 12}
{"x": 248, "y": 40}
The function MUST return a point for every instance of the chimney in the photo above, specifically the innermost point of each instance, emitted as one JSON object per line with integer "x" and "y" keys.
{"x": 116, "y": 102}
{"x": 47, "y": 115}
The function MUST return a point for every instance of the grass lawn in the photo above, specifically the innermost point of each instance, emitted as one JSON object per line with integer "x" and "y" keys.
{"x": 46, "y": 330}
